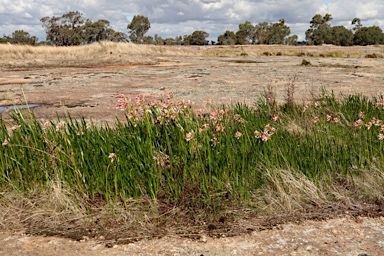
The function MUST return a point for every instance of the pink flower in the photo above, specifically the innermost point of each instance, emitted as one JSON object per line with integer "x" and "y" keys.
{"x": 238, "y": 118}
{"x": 219, "y": 127}
{"x": 305, "y": 107}
{"x": 122, "y": 102}
{"x": 317, "y": 104}
{"x": 169, "y": 95}
{"x": 380, "y": 103}
{"x": 46, "y": 124}
{"x": 214, "y": 140}
{"x": 180, "y": 103}
{"x": 139, "y": 99}
{"x": 159, "y": 119}
{"x": 329, "y": 117}
{"x": 376, "y": 122}
{"x": 173, "y": 115}
{"x": 203, "y": 128}
{"x": 238, "y": 134}
{"x": 15, "y": 127}
{"x": 60, "y": 126}
{"x": 368, "y": 125}
{"x": 315, "y": 119}
{"x": 198, "y": 113}
{"x": 358, "y": 123}
{"x": 361, "y": 114}
{"x": 382, "y": 128}
{"x": 264, "y": 137}
{"x": 188, "y": 104}
{"x": 112, "y": 155}
{"x": 214, "y": 115}
{"x": 154, "y": 102}
{"x": 336, "y": 120}
{"x": 6, "y": 142}
{"x": 275, "y": 117}
{"x": 189, "y": 136}
{"x": 380, "y": 136}
{"x": 257, "y": 134}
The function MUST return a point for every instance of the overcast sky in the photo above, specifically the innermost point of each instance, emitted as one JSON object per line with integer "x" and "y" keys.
{"x": 170, "y": 18}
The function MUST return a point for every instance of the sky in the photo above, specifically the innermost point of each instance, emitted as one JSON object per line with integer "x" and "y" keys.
{"x": 170, "y": 18}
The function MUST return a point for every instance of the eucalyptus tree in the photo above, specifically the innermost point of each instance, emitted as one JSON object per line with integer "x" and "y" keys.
{"x": 245, "y": 33}
{"x": 138, "y": 27}
{"x": 228, "y": 38}
{"x": 198, "y": 37}
{"x": 19, "y": 37}
{"x": 280, "y": 31}
{"x": 65, "y": 30}
{"x": 366, "y": 35}
{"x": 341, "y": 36}
{"x": 320, "y": 31}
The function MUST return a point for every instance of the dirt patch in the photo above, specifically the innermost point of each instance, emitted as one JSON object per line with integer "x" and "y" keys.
{"x": 339, "y": 236}
{"x": 207, "y": 81}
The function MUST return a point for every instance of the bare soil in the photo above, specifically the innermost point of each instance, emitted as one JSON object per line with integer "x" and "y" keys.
{"x": 90, "y": 90}
{"x": 339, "y": 236}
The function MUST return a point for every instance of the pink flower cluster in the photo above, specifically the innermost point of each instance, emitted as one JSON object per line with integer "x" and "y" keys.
{"x": 328, "y": 118}
{"x": 238, "y": 119}
{"x": 189, "y": 135}
{"x": 380, "y": 103}
{"x": 266, "y": 134}
{"x": 167, "y": 108}
{"x": 373, "y": 122}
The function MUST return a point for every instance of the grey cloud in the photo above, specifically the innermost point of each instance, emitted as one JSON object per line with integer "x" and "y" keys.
{"x": 170, "y": 18}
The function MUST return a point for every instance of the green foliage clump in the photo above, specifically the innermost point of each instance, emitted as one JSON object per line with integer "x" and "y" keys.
{"x": 306, "y": 63}
{"x": 166, "y": 150}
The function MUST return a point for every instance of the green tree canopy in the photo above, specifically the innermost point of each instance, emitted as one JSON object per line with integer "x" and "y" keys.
{"x": 101, "y": 30}
{"x": 245, "y": 33}
{"x": 228, "y": 38}
{"x": 368, "y": 36}
{"x": 341, "y": 36}
{"x": 138, "y": 27}
{"x": 19, "y": 37}
{"x": 73, "y": 29}
{"x": 320, "y": 31}
{"x": 65, "y": 30}
{"x": 198, "y": 37}
{"x": 263, "y": 33}
{"x": 280, "y": 31}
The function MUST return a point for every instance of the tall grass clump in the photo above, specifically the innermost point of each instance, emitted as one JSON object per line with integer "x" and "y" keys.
{"x": 168, "y": 151}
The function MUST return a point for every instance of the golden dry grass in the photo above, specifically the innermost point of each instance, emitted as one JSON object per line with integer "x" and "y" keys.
{"x": 127, "y": 53}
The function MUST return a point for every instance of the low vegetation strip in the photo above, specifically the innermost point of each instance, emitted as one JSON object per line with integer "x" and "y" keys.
{"x": 266, "y": 158}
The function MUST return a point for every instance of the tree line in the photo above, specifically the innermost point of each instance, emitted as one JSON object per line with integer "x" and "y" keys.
{"x": 321, "y": 32}
{"x": 73, "y": 29}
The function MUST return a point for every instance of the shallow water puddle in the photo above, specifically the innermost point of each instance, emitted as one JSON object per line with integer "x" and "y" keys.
{"x": 14, "y": 107}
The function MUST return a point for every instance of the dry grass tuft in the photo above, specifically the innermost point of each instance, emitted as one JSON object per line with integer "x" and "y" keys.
{"x": 287, "y": 191}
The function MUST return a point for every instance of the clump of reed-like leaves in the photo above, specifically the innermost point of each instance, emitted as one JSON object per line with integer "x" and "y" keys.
{"x": 167, "y": 150}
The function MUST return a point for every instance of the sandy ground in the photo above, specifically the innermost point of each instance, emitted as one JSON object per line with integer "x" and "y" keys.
{"x": 207, "y": 81}
{"x": 342, "y": 236}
